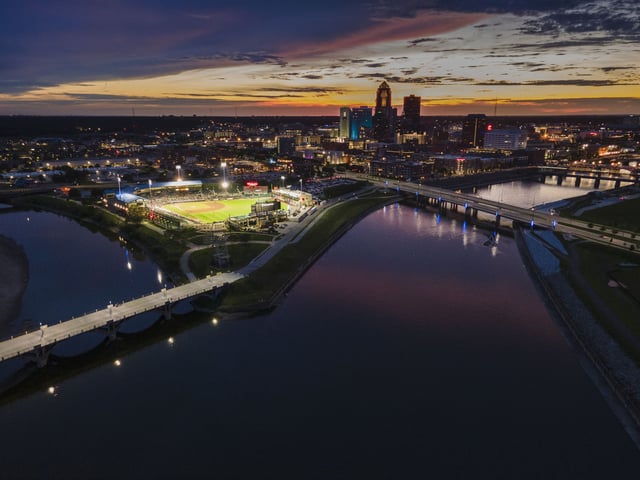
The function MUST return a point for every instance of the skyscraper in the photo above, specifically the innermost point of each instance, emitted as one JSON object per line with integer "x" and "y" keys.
{"x": 345, "y": 122}
{"x": 474, "y": 127}
{"x": 411, "y": 113}
{"x": 361, "y": 122}
{"x": 384, "y": 118}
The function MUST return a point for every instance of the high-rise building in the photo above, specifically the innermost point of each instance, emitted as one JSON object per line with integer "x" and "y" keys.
{"x": 411, "y": 114}
{"x": 474, "y": 127}
{"x": 286, "y": 145}
{"x": 345, "y": 122}
{"x": 384, "y": 118}
{"x": 507, "y": 139}
{"x": 361, "y": 123}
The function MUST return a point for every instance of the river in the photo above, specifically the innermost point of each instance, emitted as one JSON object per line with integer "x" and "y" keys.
{"x": 408, "y": 350}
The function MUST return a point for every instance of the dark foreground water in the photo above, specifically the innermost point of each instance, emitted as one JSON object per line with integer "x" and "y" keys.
{"x": 409, "y": 350}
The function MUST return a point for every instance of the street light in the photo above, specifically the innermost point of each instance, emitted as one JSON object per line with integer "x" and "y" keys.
{"x": 178, "y": 170}
{"x": 119, "y": 191}
{"x": 282, "y": 178}
{"x": 150, "y": 191}
{"x": 300, "y": 184}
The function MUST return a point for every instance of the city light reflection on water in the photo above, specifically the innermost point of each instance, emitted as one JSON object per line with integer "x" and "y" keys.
{"x": 409, "y": 349}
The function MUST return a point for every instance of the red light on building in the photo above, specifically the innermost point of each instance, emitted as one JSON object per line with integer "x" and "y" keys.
{"x": 489, "y": 127}
{"x": 251, "y": 184}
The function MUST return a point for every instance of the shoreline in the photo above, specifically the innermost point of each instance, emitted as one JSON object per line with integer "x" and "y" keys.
{"x": 14, "y": 280}
{"x": 612, "y": 372}
{"x": 616, "y": 376}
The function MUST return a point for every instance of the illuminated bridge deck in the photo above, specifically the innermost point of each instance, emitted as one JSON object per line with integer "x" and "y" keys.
{"x": 48, "y": 335}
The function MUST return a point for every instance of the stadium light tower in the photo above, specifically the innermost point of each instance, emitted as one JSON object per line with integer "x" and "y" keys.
{"x": 224, "y": 175}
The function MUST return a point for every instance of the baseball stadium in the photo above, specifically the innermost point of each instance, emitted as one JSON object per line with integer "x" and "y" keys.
{"x": 185, "y": 204}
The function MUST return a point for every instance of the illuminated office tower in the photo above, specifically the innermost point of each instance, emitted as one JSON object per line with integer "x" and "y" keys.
{"x": 345, "y": 122}
{"x": 361, "y": 123}
{"x": 384, "y": 118}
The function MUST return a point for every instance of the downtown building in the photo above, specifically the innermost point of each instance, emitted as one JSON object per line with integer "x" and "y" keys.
{"x": 355, "y": 123}
{"x": 474, "y": 126}
{"x": 385, "y": 116}
{"x": 505, "y": 139}
{"x": 411, "y": 114}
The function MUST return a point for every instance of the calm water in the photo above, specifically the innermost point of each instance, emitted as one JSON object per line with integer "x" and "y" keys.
{"x": 409, "y": 350}
{"x": 72, "y": 270}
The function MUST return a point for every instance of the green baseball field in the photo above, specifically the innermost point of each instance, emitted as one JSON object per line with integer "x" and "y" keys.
{"x": 214, "y": 211}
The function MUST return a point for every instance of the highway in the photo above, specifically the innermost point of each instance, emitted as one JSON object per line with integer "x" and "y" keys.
{"x": 578, "y": 228}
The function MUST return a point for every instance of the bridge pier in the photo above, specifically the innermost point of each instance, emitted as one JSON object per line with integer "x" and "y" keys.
{"x": 40, "y": 355}
{"x": 111, "y": 329}
{"x": 617, "y": 185}
{"x": 578, "y": 179}
{"x": 596, "y": 184}
{"x": 497, "y": 219}
{"x": 559, "y": 180}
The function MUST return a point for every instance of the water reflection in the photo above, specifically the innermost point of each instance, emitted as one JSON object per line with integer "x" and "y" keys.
{"x": 403, "y": 352}
{"x": 72, "y": 270}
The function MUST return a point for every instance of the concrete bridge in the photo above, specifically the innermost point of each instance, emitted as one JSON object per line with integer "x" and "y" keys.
{"x": 562, "y": 173}
{"x": 471, "y": 204}
{"x": 37, "y": 345}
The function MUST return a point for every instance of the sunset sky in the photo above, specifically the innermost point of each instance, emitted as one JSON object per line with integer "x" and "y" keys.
{"x": 283, "y": 57}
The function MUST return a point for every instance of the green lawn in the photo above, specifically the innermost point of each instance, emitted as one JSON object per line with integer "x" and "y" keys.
{"x": 214, "y": 211}
{"x": 624, "y": 214}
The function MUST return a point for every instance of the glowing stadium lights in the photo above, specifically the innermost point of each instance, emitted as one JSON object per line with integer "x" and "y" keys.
{"x": 224, "y": 175}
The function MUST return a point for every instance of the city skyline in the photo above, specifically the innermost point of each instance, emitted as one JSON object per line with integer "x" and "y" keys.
{"x": 284, "y": 58}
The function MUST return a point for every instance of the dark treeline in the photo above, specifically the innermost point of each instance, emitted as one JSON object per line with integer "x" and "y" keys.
{"x": 34, "y": 126}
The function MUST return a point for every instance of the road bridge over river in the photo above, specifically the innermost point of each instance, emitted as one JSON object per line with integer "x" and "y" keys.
{"x": 37, "y": 345}
{"x": 472, "y": 204}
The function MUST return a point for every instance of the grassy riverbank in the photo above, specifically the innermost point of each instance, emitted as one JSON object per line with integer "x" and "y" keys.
{"x": 262, "y": 288}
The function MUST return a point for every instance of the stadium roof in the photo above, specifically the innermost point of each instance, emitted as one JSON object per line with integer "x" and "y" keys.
{"x": 127, "y": 198}
{"x": 181, "y": 183}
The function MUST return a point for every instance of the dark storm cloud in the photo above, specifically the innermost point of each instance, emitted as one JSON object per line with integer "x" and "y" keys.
{"x": 612, "y": 69}
{"x": 561, "y": 82}
{"x": 419, "y": 41}
{"x": 619, "y": 17}
{"x": 432, "y": 80}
